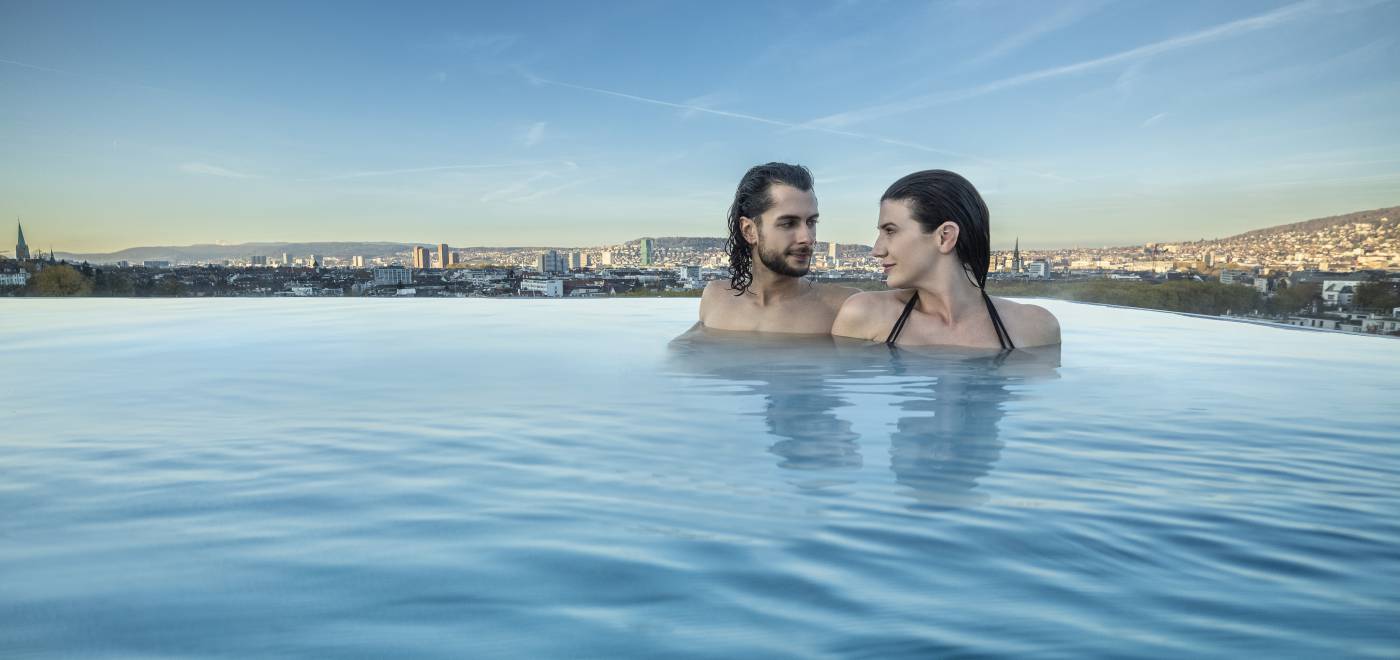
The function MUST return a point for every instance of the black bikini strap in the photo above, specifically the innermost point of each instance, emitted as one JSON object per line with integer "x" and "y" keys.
{"x": 1003, "y": 336}
{"x": 899, "y": 325}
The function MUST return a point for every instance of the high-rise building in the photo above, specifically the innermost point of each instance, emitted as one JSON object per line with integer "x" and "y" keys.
{"x": 575, "y": 260}
{"x": 647, "y": 247}
{"x": 286, "y": 259}
{"x": 257, "y": 260}
{"x": 454, "y": 258}
{"x": 420, "y": 257}
{"x": 606, "y": 259}
{"x": 357, "y": 261}
{"x": 314, "y": 261}
{"x": 442, "y": 255}
{"x": 21, "y": 249}
{"x": 551, "y": 262}
{"x": 831, "y": 251}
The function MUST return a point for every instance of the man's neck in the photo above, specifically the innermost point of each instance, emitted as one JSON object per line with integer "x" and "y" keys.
{"x": 770, "y": 287}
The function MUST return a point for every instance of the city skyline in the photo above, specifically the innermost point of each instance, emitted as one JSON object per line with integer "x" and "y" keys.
{"x": 1086, "y": 123}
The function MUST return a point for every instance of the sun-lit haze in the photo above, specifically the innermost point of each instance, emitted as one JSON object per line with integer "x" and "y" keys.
{"x": 574, "y": 124}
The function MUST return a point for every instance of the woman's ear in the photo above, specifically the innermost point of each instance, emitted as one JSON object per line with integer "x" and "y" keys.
{"x": 947, "y": 236}
{"x": 749, "y": 228}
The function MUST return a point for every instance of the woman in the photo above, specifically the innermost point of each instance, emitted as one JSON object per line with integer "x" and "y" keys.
{"x": 935, "y": 245}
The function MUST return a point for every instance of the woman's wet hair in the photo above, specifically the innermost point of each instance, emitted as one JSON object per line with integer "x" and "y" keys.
{"x": 752, "y": 199}
{"x": 939, "y": 196}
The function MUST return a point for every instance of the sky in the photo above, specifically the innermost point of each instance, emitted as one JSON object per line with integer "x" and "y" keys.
{"x": 1083, "y": 123}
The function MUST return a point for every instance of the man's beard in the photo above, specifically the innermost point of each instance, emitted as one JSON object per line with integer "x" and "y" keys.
{"x": 777, "y": 262}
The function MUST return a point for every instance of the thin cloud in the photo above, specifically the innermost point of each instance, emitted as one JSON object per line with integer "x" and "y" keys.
{"x": 549, "y": 192}
{"x": 535, "y": 134}
{"x": 418, "y": 170}
{"x": 110, "y": 81}
{"x": 488, "y": 43}
{"x": 1242, "y": 26}
{"x": 195, "y": 167}
{"x": 666, "y": 104}
{"x": 1154, "y": 119}
{"x": 772, "y": 122}
{"x": 1067, "y": 15}
{"x": 514, "y": 189}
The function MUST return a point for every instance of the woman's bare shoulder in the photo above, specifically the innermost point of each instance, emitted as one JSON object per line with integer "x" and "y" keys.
{"x": 1031, "y": 325}
{"x": 864, "y": 313}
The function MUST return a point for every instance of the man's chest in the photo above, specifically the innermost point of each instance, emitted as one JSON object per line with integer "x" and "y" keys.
{"x": 810, "y": 318}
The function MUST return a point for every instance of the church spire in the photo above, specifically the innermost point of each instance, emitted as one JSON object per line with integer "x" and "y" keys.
{"x": 21, "y": 250}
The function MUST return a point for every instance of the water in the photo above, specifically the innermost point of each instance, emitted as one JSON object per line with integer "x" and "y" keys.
{"x": 511, "y": 478}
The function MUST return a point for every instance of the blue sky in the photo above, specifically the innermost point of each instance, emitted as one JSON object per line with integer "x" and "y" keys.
{"x": 1082, "y": 123}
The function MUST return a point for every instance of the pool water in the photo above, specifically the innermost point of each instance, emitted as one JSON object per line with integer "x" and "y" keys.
{"x": 526, "y": 478}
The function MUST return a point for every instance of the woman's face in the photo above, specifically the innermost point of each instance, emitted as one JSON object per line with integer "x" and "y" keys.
{"x": 905, "y": 251}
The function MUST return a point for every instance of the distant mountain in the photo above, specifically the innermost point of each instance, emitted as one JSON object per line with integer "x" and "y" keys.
{"x": 684, "y": 242}
{"x": 1392, "y": 214}
{"x": 210, "y": 252}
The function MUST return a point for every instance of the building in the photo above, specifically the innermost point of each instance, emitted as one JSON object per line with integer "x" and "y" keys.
{"x": 1228, "y": 276}
{"x": 421, "y": 258}
{"x": 442, "y": 255}
{"x": 1039, "y": 269}
{"x": 551, "y": 262}
{"x": 577, "y": 260}
{"x": 156, "y": 264}
{"x": 549, "y": 288}
{"x": 454, "y": 258}
{"x": 392, "y": 276}
{"x": 257, "y": 260}
{"x": 21, "y": 248}
{"x": 286, "y": 259}
{"x": 314, "y": 261}
{"x": 606, "y": 258}
{"x": 831, "y": 252}
{"x": 1339, "y": 292}
{"x": 1016, "y": 256}
{"x": 357, "y": 261}
{"x": 648, "y": 248}
{"x": 19, "y": 278}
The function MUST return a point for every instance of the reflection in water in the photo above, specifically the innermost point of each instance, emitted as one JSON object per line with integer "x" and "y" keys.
{"x": 948, "y": 404}
{"x": 791, "y": 373}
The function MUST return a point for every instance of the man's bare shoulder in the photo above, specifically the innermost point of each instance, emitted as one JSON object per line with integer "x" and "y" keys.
{"x": 1033, "y": 325}
{"x": 717, "y": 294}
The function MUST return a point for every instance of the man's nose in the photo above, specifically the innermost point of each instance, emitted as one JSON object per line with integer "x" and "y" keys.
{"x": 807, "y": 235}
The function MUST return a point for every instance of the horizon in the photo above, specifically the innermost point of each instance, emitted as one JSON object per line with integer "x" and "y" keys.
{"x": 1028, "y": 248}
{"x": 1091, "y": 123}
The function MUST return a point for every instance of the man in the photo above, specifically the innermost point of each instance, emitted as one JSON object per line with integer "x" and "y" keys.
{"x": 774, "y": 216}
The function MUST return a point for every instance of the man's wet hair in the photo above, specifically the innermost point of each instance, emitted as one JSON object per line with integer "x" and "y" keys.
{"x": 752, "y": 199}
{"x": 939, "y": 196}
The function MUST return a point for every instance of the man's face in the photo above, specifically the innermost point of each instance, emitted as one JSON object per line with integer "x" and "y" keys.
{"x": 783, "y": 237}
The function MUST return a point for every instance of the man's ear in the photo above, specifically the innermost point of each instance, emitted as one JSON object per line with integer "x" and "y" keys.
{"x": 947, "y": 235}
{"x": 749, "y": 228}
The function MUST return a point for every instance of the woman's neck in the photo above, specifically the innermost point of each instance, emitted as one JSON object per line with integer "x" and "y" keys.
{"x": 950, "y": 296}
